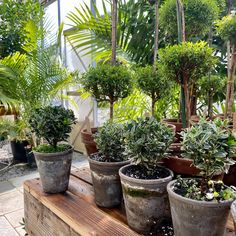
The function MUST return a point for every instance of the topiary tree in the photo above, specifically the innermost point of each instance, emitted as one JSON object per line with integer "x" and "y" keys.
{"x": 107, "y": 83}
{"x": 153, "y": 84}
{"x": 199, "y": 17}
{"x": 227, "y": 30}
{"x": 186, "y": 63}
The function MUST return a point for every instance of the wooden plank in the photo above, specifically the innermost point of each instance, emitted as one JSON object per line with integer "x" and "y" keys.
{"x": 82, "y": 217}
{"x": 83, "y": 174}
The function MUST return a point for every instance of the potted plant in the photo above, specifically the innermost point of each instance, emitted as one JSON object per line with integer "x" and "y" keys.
{"x": 53, "y": 123}
{"x": 16, "y": 133}
{"x": 106, "y": 83}
{"x": 105, "y": 164}
{"x": 144, "y": 181}
{"x": 200, "y": 206}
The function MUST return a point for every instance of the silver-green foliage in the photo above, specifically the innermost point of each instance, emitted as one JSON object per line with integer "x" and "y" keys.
{"x": 110, "y": 140}
{"x": 210, "y": 146}
{"x": 148, "y": 140}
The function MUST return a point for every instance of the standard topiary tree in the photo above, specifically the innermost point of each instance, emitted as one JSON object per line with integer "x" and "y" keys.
{"x": 186, "y": 63}
{"x": 227, "y": 30}
{"x": 199, "y": 17}
{"x": 107, "y": 83}
{"x": 153, "y": 84}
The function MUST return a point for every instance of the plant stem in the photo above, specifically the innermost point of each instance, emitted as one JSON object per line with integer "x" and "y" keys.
{"x": 111, "y": 110}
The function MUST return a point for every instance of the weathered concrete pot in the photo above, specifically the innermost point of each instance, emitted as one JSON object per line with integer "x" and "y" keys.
{"x": 197, "y": 218}
{"x": 233, "y": 213}
{"x": 54, "y": 170}
{"x": 146, "y": 201}
{"x": 106, "y": 182}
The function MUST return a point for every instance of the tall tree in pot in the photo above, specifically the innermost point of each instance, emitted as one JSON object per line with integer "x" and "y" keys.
{"x": 200, "y": 207}
{"x": 53, "y": 123}
{"x": 144, "y": 181}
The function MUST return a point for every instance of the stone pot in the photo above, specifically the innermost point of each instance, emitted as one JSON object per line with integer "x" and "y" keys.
{"x": 88, "y": 140}
{"x": 106, "y": 182}
{"x": 18, "y": 149}
{"x": 233, "y": 212}
{"x": 146, "y": 201}
{"x": 54, "y": 170}
{"x": 197, "y": 218}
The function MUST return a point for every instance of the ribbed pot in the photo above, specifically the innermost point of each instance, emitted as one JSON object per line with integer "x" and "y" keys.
{"x": 146, "y": 201}
{"x": 54, "y": 170}
{"x": 88, "y": 140}
{"x": 197, "y": 218}
{"x": 106, "y": 182}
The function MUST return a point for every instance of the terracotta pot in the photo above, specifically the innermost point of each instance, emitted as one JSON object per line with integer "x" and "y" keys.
{"x": 172, "y": 127}
{"x": 195, "y": 119}
{"x": 88, "y": 140}
{"x": 178, "y": 127}
{"x": 230, "y": 177}
{"x": 197, "y": 218}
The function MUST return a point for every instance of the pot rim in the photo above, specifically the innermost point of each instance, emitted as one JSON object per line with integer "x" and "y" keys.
{"x": 93, "y": 128}
{"x": 102, "y": 163}
{"x": 144, "y": 181}
{"x": 55, "y": 153}
{"x": 192, "y": 201}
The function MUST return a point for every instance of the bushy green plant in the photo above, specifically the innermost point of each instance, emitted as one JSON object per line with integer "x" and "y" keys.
{"x": 110, "y": 142}
{"x": 210, "y": 146}
{"x": 53, "y": 123}
{"x": 199, "y": 17}
{"x": 107, "y": 83}
{"x": 153, "y": 84}
{"x": 148, "y": 140}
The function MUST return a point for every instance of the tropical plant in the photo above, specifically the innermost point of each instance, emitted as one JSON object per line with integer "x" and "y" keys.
{"x": 110, "y": 140}
{"x": 107, "y": 83}
{"x": 186, "y": 63}
{"x": 227, "y": 30}
{"x": 152, "y": 83}
{"x": 53, "y": 123}
{"x": 210, "y": 146}
{"x": 148, "y": 141}
{"x": 199, "y": 17}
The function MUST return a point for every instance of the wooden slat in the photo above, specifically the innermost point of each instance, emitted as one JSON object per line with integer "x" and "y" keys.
{"x": 83, "y": 174}
{"x": 80, "y": 215}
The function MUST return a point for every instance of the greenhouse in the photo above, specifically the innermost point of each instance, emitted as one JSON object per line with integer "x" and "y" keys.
{"x": 117, "y": 117}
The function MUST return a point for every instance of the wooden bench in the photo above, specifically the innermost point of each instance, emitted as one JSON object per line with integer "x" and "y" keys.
{"x": 74, "y": 213}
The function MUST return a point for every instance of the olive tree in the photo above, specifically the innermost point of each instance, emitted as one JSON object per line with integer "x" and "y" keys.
{"x": 186, "y": 63}
{"x": 107, "y": 83}
{"x": 227, "y": 30}
{"x": 153, "y": 84}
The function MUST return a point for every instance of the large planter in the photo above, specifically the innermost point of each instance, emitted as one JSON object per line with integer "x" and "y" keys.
{"x": 146, "y": 201}
{"x": 197, "y": 218}
{"x": 54, "y": 170}
{"x": 19, "y": 150}
{"x": 88, "y": 140}
{"x": 106, "y": 182}
{"x": 233, "y": 213}
{"x": 178, "y": 127}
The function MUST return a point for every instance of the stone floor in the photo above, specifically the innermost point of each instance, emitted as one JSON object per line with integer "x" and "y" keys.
{"x": 12, "y": 204}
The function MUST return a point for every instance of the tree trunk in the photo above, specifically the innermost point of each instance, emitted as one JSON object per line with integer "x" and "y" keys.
{"x": 187, "y": 101}
{"x": 193, "y": 98}
{"x": 114, "y": 31}
{"x": 153, "y": 106}
{"x": 156, "y": 33}
{"x": 210, "y": 105}
{"x": 111, "y": 110}
{"x": 230, "y": 85}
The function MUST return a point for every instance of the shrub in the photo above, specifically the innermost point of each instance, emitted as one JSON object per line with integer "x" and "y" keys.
{"x": 53, "y": 123}
{"x": 148, "y": 140}
{"x": 107, "y": 83}
{"x": 110, "y": 142}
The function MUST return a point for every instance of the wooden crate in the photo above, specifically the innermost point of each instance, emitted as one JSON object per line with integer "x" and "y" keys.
{"x": 74, "y": 213}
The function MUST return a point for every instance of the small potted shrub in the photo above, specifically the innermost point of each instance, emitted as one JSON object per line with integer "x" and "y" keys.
{"x": 53, "y": 124}
{"x": 106, "y": 163}
{"x": 106, "y": 83}
{"x": 144, "y": 181}
{"x": 200, "y": 206}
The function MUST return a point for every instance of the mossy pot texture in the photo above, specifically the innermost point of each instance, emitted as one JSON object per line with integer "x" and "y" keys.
{"x": 106, "y": 182}
{"x": 54, "y": 170}
{"x": 146, "y": 201}
{"x": 197, "y": 218}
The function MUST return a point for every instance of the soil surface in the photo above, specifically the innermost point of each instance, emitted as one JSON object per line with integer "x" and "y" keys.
{"x": 142, "y": 172}
{"x": 165, "y": 229}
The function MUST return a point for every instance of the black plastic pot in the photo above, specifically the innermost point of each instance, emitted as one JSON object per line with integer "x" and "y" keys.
{"x": 54, "y": 170}
{"x": 19, "y": 150}
{"x": 106, "y": 182}
{"x": 197, "y": 218}
{"x": 146, "y": 201}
